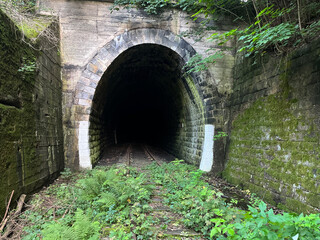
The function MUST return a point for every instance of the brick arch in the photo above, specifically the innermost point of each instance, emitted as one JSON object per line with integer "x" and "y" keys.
{"x": 91, "y": 75}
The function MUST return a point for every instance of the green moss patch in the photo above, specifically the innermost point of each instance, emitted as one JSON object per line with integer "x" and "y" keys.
{"x": 275, "y": 153}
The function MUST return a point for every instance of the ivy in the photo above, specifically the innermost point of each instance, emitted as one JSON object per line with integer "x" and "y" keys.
{"x": 220, "y": 135}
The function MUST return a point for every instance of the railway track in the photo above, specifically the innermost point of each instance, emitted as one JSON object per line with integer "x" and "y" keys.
{"x": 150, "y": 154}
{"x": 132, "y": 154}
{"x": 139, "y": 156}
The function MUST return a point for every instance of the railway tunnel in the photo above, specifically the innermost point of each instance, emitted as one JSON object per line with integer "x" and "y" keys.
{"x": 145, "y": 97}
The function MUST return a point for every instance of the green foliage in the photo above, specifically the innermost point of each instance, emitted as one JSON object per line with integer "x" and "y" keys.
{"x": 262, "y": 35}
{"x": 260, "y": 223}
{"x": 156, "y": 6}
{"x": 272, "y": 29}
{"x": 32, "y": 25}
{"x": 82, "y": 229}
{"x": 115, "y": 203}
{"x": 312, "y": 30}
{"x": 34, "y": 28}
{"x": 23, "y": 5}
{"x": 204, "y": 210}
{"x": 113, "y": 188}
{"x": 120, "y": 233}
{"x": 197, "y": 63}
{"x": 28, "y": 66}
{"x": 67, "y": 173}
{"x": 192, "y": 197}
{"x": 187, "y": 5}
{"x": 258, "y": 41}
{"x": 116, "y": 196}
{"x": 234, "y": 9}
{"x": 220, "y": 135}
{"x": 150, "y": 6}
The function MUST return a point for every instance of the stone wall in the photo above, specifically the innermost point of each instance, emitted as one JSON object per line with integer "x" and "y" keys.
{"x": 31, "y": 149}
{"x": 275, "y": 126}
{"x": 88, "y": 28}
{"x": 145, "y": 79}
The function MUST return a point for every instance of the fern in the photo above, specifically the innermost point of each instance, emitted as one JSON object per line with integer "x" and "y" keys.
{"x": 91, "y": 187}
{"x": 107, "y": 199}
{"x": 56, "y": 231}
{"x": 82, "y": 229}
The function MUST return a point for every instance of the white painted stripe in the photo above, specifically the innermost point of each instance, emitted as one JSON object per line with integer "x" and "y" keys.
{"x": 207, "y": 150}
{"x": 83, "y": 145}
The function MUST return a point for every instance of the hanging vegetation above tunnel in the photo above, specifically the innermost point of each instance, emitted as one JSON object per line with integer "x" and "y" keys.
{"x": 262, "y": 26}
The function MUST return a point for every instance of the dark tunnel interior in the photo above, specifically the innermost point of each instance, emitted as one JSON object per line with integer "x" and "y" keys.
{"x": 142, "y": 112}
{"x": 143, "y": 98}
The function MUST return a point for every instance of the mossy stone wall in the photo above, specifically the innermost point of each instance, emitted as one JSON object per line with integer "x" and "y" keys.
{"x": 31, "y": 149}
{"x": 274, "y": 145}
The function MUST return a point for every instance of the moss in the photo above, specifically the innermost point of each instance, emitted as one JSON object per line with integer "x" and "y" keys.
{"x": 296, "y": 206}
{"x": 23, "y": 161}
{"x": 196, "y": 95}
{"x": 285, "y": 87}
{"x": 264, "y": 146}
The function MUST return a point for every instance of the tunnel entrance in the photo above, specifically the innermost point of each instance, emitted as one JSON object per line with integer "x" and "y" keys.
{"x": 144, "y": 97}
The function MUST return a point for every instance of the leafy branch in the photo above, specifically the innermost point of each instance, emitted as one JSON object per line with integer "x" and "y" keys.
{"x": 273, "y": 29}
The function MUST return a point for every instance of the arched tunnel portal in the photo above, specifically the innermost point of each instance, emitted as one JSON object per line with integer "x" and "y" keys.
{"x": 145, "y": 96}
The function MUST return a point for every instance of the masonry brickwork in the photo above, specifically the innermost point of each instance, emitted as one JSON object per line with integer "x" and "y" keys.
{"x": 31, "y": 149}
{"x": 88, "y": 29}
{"x": 57, "y": 115}
{"x": 275, "y": 128}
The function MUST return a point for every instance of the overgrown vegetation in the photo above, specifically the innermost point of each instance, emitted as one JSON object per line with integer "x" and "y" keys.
{"x": 260, "y": 26}
{"x": 32, "y": 25}
{"x": 103, "y": 202}
{"x": 157, "y": 6}
{"x": 114, "y": 202}
{"x": 204, "y": 209}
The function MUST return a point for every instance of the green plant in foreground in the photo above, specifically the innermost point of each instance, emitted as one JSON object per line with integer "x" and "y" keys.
{"x": 114, "y": 202}
{"x": 101, "y": 198}
{"x": 82, "y": 228}
{"x": 204, "y": 210}
{"x": 258, "y": 223}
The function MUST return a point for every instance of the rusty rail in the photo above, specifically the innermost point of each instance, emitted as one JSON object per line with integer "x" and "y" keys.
{"x": 129, "y": 149}
{"x": 149, "y": 153}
